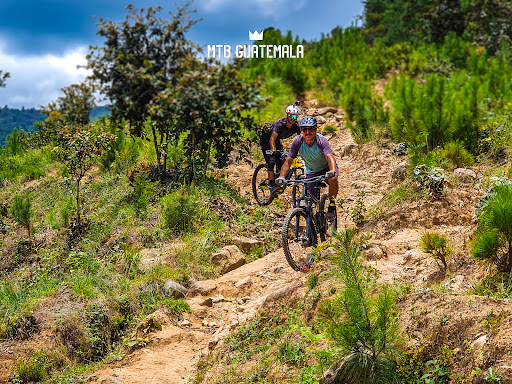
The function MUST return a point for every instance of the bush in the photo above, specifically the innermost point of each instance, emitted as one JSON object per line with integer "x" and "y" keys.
{"x": 21, "y": 209}
{"x": 493, "y": 241}
{"x": 329, "y": 128}
{"x": 456, "y": 153}
{"x": 437, "y": 246}
{"x": 181, "y": 209}
{"x": 431, "y": 178}
{"x": 363, "y": 327}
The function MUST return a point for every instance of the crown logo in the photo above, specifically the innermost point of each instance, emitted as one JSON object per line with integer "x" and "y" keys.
{"x": 256, "y": 35}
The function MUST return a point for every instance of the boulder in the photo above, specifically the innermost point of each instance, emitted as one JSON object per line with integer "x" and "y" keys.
{"x": 246, "y": 244}
{"x": 348, "y": 149}
{"x": 399, "y": 172}
{"x": 339, "y": 117}
{"x": 325, "y": 110}
{"x": 175, "y": 290}
{"x": 321, "y": 120}
{"x": 202, "y": 288}
{"x": 465, "y": 175}
{"x": 244, "y": 281}
{"x": 228, "y": 259}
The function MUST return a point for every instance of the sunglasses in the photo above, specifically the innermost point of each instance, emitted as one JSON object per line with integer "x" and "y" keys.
{"x": 293, "y": 117}
{"x": 308, "y": 129}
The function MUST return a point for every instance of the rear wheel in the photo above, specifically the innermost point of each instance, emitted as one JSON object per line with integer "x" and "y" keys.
{"x": 297, "y": 243}
{"x": 260, "y": 186}
{"x": 326, "y": 227}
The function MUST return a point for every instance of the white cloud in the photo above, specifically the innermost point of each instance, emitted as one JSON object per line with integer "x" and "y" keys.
{"x": 37, "y": 80}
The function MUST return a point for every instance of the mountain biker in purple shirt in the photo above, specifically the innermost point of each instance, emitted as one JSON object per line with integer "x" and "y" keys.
{"x": 270, "y": 141}
{"x": 318, "y": 157}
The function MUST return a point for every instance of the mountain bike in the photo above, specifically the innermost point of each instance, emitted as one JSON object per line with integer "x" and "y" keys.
{"x": 263, "y": 192}
{"x": 305, "y": 222}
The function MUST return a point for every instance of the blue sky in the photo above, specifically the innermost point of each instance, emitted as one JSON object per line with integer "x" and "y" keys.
{"x": 43, "y": 41}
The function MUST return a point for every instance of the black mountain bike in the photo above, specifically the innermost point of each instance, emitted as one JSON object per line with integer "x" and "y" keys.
{"x": 304, "y": 223}
{"x": 261, "y": 189}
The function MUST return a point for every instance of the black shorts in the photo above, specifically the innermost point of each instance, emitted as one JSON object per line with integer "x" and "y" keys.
{"x": 267, "y": 152}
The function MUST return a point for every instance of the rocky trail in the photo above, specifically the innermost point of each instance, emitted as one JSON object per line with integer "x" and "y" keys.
{"x": 170, "y": 354}
{"x": 219, "y": 306}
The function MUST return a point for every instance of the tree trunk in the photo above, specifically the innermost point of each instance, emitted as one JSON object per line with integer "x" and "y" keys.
{"x": 207, "y": 157}
{"x": 78, "y": 201}
{"x": 155, "y": 141}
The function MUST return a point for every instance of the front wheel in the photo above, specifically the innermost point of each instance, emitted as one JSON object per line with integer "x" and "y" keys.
{"x": 298, "y": 242}
{"x": 260, "y": 185}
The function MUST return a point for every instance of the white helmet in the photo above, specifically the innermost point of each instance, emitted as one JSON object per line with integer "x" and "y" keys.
{"x": 292, "y": 109}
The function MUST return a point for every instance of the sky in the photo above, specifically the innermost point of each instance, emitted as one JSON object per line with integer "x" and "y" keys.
{"x": 43, "y": 43}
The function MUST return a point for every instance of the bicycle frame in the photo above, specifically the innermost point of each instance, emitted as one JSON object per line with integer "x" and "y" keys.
{"x": 308, "y": 207}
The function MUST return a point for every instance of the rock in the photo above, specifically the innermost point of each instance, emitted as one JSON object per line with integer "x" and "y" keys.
{"x": 149, "y": 258}
{"x": 339, "y": 117}
{"x": 328, "y": 252}
{"x": 228, "y": 259}
{"x": 348, "y": 149}
{"x": 185, "y": 323}
{"x": 334, "y": 374}
{"x": 321, "y": 120}
{"x": 203, "y": 288}
{"x": 218, "y": 299}
{"x": 325, "y": 110}
{"x": 465, "y": 175}
{"x": 376, "y": 252}
{"x": 478, "y": 344}
{"x": 176, "y": 290}
{"x": 244, "y": 281}
{"x": 278, "y": 294}
{"x": 111, "y": 380}
{"x": 329, "y": 114}
{"x": 246, "y": 244}
{"x": 399, "y": 172}
{"x": 313, "y": 102}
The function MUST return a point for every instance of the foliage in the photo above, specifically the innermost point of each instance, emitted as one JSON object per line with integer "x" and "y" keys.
{"x": 329, "y": 128}
{"x": 431, "y": 178}
{"x": 436, "y": 245}
{"x": 141, "y": 57}
{"x": 364, "y": 328}
{"x": 493, "y": 240}
{"x": 77, "y": 149}
{"x": 75, "y": 107}
{"x": 181, "y": 209}
{"x": 457, "y": 154}
{"x": 21, "y": 209}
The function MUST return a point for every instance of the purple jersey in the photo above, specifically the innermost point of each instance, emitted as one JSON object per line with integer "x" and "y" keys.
{"x": 314, "y": 156}
{"x": 282, "y": 130}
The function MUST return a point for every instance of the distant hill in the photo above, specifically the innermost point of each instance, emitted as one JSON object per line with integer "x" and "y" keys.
{"x": 25, "y": 118}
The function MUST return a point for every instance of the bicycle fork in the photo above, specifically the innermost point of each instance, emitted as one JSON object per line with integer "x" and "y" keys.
{"x": 305, "y": 241}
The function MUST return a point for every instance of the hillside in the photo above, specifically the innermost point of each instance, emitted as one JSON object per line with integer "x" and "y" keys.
{"x": 25, "y": 118}
{"x": 224, "y": 338}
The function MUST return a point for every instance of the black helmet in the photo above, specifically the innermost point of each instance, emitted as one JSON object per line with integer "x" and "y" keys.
{"x": 307, "y": 121}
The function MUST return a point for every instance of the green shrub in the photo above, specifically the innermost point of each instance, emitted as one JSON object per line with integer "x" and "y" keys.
{"x": 21, "y": 209}
{"x": 37, "y": 367}
{"x": 176, "y": 306}
{"x": 181, "y": 209}
{"x": 142, "y": 189}
{"x": 329, "y": 128}
{"x": 431, "y": 178}
{"x": 363, "y": 327}
{"x": 493, "y": 241}
{"x": 457, "y": 154}
{"x": 437, "y": 246}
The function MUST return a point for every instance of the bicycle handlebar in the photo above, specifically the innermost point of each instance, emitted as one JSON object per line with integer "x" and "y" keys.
{"x": 310, "y": 180}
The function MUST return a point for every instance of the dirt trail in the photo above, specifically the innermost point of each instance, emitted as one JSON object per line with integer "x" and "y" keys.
{"x": 239, "y": 295}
